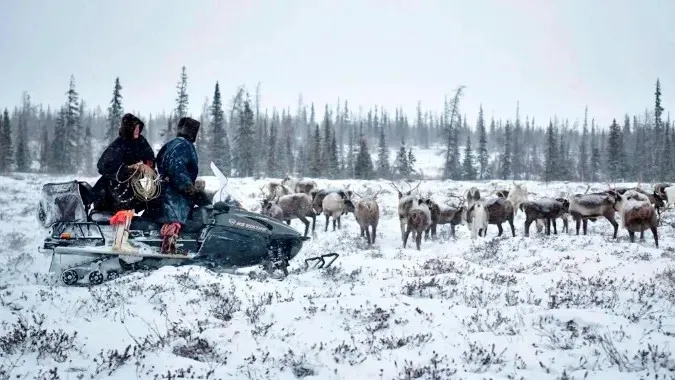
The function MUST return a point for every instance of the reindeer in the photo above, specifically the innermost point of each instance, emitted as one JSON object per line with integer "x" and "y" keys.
{"x": 419, "y": 219}
{"x": 516, "y": 196}
{"x": 444, "y": 214}
{"x": 477, "y": 216}
{"x": 545, "y": 209}
{"x": 367, "y": 214}
{"x": 500, "y": 210}
{"x": 334, "y": 205}
{"x": 472, "y": 196}
{"x": 299, "y": 185}
{"x": 660, "y": 191}
{"x": 593, "y": 205}
{"x": 298, "y": 205}
{"x": 654, "y": 197}
{"x": 637, "y": 215}
{"x": 274, "y": 189}
{"x": 272, "y": 210}
{"x": 318, "y": 195}
{"x": 406, "y": 201}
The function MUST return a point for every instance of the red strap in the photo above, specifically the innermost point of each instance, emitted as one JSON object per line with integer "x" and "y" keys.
{"x": 170, "y": 229}
{"x": 121, "y": 217}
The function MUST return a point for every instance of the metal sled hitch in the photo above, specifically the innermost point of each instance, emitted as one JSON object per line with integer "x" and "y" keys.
{"x": 321, "y": 260}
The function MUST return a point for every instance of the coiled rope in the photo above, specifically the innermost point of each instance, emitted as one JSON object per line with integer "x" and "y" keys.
{"x": 144, "y": 181}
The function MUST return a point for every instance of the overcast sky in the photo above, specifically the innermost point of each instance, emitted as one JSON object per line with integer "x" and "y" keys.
{"x": 554, "y": 57}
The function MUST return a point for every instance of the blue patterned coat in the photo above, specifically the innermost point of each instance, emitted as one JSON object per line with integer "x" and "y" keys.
{"x": 178, "y": 166}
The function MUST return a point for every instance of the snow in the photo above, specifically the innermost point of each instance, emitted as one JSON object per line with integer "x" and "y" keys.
{"x": 543, "y": 307}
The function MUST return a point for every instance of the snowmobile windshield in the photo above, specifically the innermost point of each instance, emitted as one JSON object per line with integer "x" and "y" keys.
{"x": 228, "y": 197}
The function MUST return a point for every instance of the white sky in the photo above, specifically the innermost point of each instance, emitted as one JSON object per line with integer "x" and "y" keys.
{"x": 552, "y": 56}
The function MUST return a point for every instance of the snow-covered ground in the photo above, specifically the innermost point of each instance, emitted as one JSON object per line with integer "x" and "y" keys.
{"x": 543, "y": 307}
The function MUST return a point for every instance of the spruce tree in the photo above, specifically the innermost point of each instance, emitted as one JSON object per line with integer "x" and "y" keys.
{"x": 22, "y": 158}
{"x": 482, "y": 145}
{"x": 219, "y": 144}
{"x": 115, "y": 112}
{"x": 88, "y": 149}
{"x": 595, "y": 155}
{"x": 550, "y": 169}
{"x": 45, "y": 151}
{"x": 506, "y": 156}
{"x": 614, "y": 151}
{"x": 315, "y": 155}
{"x": 73, "y": 133}
{"x": 333, "y": 163}
{"x": 364, "y": 163}
{"x": 245, "y": 141}
{"x": 273, "y": 162}
{"x": 411, "y": 160}
{"x": 401, "y": 164}
{"x": 383, "y": 169}
{"x": 6, "y": 148}
{"x": 468, "y": 168}
{"x": 182, "y": 99}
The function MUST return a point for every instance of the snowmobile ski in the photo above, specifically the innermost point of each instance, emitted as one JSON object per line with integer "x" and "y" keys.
{"x": 98, "y": 251}
{"x": 321, "y": 260}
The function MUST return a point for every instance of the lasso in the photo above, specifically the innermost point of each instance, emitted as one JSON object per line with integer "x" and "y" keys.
{"x": 144, "y": 182}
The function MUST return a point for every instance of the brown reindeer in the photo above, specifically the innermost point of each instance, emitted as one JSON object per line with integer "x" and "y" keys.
{"x": 406, "y": 201}
{"x": 367, "y": 214}
{"x": 419, "y": 219}
{"x": 445, "y": 214}
{"x": 638, "y": 215}
{"x": 546, "y": 209}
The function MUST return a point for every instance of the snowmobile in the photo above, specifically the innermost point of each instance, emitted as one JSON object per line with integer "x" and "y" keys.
{"x": 86, "y": 248}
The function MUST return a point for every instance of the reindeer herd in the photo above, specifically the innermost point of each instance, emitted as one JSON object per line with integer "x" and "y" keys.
{"x": 420, "y": 216}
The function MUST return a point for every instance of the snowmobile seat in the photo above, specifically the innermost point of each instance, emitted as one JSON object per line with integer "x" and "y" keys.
{"x": 61, "y": 202}
{"x": 138, "y": 223}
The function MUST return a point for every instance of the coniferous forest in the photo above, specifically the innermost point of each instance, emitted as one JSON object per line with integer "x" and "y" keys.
{"x": 245, "y": 140}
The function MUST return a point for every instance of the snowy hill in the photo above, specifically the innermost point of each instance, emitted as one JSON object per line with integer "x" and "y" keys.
{"x": 543, "y": 307}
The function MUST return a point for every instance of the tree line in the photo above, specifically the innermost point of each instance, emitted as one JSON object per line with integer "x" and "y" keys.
{"x": 245, "y": 140}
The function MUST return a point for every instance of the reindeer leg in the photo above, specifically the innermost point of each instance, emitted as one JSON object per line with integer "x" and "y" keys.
{"x": 405, "y": 237}
{"x": 631, "y": 235}
{"x": 585, "y": 226}
{"x": 548, "y": 226}
{"x": 401, "y": 222}
{"x": 656, "y": 235}
{"x": 367, "y": 234}
{"x": 326, "y": 229}
{"x": 418, "y": 241}
{"x": 566, "y": 227}
{"x": 615, "y": 225}
{"x": 452, "y": 230}
{"x": 339, "y": 222}
{"x": 578, "y": 225}
{"x": 526, "y": 228}
{"x": 313, "y": 222}
{"x": 306, "y": 223}
{"x": 513, "y": 229}
{"x": 555, "y": 226}
{"x": 334, "y": 223}
{"x": 363, "y": 231}
{"x": 372, "y": 237}
{"x": 500, "y": 228}
{"x": 642, "y": 235}
{"x": 426, "y": 233}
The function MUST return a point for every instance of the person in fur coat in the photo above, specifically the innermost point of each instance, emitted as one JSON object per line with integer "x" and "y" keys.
{"x": 125, "y": 155}
{"x": 178, "y": 167}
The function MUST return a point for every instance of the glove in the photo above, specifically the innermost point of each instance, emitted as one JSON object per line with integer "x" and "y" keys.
{"x": 192, "y": 190}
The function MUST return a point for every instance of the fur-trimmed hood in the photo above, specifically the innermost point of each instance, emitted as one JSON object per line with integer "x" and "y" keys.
{"x": 129, "y": 122}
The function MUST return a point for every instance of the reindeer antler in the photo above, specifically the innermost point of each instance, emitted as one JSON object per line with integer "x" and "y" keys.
{"x": 391, "y": 183}
{"x": 262, "y": 190}
{"x": 378, "y": 192}
{"x": 417, "y": 186}
{"x": 461, "y": 200}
